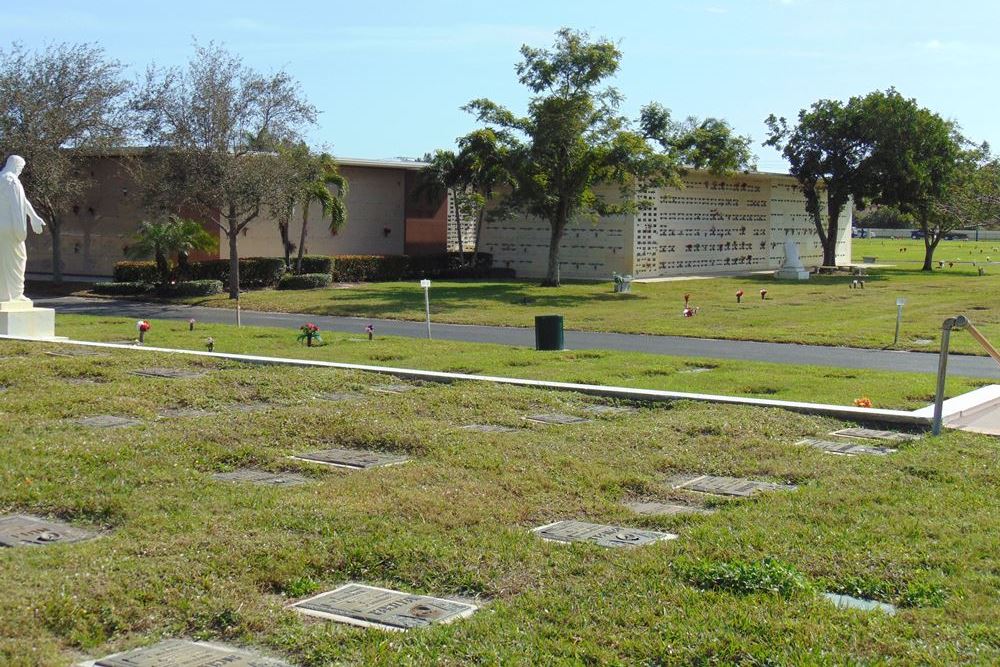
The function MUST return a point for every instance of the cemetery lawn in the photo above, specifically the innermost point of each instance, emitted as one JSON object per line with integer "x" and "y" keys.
{"x": 822, "y": 311}
{"x": 605, "y": 367}
{"x": 180, "y": 554}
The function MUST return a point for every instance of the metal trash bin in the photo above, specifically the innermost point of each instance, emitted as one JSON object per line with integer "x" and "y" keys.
{"x": 549, "y": 332}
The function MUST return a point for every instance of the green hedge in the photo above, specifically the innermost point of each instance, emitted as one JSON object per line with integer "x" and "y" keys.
{"x": 122, "y": 288}
{"x": 305, "y": 281}
{"x": 191, "y": 288}
{"x": 316, "y": 264}
{"x": 255, "y": 272}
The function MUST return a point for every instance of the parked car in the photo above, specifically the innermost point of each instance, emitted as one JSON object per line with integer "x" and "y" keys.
{"x": 916, "y": 234}
{"x": 956, "y": 236}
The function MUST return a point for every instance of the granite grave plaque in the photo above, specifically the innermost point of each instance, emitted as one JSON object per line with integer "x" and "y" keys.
{"x": 844, "y": 448}
{"x": 874, "y": 434}
{"x": 262, "y": 477}
{"x": 697, "y": 369}
{"x": 848, "y": 602}
{"x": 654, "y": 508}
{"x": 107, "y": 421}
{"x": 23, "y": 530}
{"x": 609, "y": 410}
{"x": 181, "y": 413}
{"x": 556, "y": 418}
{"x": 489, "y": 428}
{"x": 356, "y": 459}
{"x": 168, "y": 373}
{"x": 181, "y": 653}
{"x": 75, "y": 352}
{"x": 338, "y": 396}
{"x": 254, "y": 406}
{"x": 725, "y": 486}
{"x": 600, "y": 534}
{"x": 398, "y": 388}
{"x": 369, "y": 606}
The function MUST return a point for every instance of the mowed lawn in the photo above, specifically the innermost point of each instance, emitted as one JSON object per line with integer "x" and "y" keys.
{"x": 630, "y": 369}
{"x": 183, "y": 555}
{"x": 824, "y": 310}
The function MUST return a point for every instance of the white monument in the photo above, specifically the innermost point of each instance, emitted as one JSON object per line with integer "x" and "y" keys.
{"x": 18, "y": 317}
{"x": 792, "y": 269}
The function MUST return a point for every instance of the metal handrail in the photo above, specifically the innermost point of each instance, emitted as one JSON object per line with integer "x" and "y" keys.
{"x": 954, "y": 324}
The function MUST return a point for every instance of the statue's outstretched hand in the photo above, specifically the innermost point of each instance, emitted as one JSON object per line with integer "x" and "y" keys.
{"x": 37, "y": 224}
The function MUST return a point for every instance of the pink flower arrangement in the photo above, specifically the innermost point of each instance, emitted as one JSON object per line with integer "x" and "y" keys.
{"x": 763, "y": 294}
{"x": 739, "y": 296}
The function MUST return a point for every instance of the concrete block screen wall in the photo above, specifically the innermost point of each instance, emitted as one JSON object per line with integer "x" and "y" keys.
{"x": 711, "y": 225}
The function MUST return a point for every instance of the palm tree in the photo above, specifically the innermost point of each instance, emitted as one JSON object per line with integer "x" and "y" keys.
{"x": 173, "y": 237}
{"x": 443, "y": 175}
{"x": 315, "y": 187}
{"x": 482, "y": 165}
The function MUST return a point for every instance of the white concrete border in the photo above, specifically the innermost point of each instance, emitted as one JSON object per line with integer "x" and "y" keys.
{"x": 921, "y": 417}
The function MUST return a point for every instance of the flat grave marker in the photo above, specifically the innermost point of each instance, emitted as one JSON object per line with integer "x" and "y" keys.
{"x": 697, "y": 369}
{"x": 654, "y": 508}
{"x": 181, "y": 653}
{"x": 610, "y": 410}
{"x": 79, "y": 381}
{"x": 489, "y": 428}
{"x": 371, "y": 607}
{"x": 24, "y": 530}
{"x": 355, "y": 459}
{"x": 844, "y": 448}
{"x": 253, "y": 406}
{"x": 725, "y": 486}
{"x": 168, "y": 373}
{"x": 183, "y": 413}
{"x": 848, "y": 602}
{"x": 335, "y": 396}
{"x": 107, "y": 421}
{"x": 261, "y": 477}
{"x": 556, "y": 418}
{"x": 599, "y": 534}
{"x": 397, "y": 388}
{"x": 874, "y": 434}
{"x": 75, "y": 352}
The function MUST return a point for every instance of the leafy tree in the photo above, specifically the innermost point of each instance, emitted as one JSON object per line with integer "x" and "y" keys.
{"x": 205, "y": 124}
{"x": 883, "y": 217}
{"x": 483, "y": 167}
{"x": 174, "y": 237}
{"x": 828, "y": 151}
{"x": 68, "y": 96}
{"x": 918, "y": 164}
{"x": 574, "y": 138}
{"x": 320, "y": 175}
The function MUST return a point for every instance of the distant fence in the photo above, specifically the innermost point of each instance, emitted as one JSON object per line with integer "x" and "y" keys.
{"x": 984, "y": 234}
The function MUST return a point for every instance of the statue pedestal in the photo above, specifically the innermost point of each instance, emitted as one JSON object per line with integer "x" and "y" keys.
{"x": 21, "y": 318}
{"x": 792, "y": 273}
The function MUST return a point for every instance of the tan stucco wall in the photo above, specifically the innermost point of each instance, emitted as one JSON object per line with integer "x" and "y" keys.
{"x": 96, "y": 231}
{"x": 375, "y": 201}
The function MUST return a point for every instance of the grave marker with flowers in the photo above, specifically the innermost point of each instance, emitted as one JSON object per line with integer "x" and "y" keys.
{"x": 142, "y": 326}
{"x": 309, "y": 332}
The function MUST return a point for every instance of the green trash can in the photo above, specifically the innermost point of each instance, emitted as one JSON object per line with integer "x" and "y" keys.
{"x": 549, "y": 332}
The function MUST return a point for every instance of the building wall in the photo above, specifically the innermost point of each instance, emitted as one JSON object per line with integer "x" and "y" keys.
{"x": 591, "y": 247}
{"x": 375, "y": 203}
{"x": 426, "y": 221}
{"x": 711, "y": 225}
{"x": 97, "y": 230}
{"x": 468, "y": 228}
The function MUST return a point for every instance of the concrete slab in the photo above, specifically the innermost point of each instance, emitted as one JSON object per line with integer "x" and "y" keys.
{"x": 985, "y": 421}
{"x": 599, "y": 534}
{"x": 372, "y": 607}
{"x": 184, "y": 654}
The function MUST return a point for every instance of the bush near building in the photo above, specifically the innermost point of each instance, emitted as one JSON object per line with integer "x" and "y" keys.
{"x": 305, "y": 281}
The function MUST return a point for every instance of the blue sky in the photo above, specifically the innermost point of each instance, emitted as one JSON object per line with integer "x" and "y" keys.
{"x": 389, "y": 76}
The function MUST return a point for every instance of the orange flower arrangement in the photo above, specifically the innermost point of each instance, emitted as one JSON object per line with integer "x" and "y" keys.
{"x": 863, "y": 402}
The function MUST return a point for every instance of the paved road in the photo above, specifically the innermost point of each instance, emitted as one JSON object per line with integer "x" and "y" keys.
{"x": 843, "y": 357}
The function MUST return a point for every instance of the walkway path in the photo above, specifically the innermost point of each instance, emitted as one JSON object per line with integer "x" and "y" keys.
{"x": 842, "y": 357}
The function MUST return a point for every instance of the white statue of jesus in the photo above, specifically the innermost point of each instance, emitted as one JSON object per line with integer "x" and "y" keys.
{"x": 15, "y": 212}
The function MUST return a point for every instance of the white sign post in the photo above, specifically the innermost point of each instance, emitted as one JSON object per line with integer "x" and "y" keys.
{"x": 426, "y": 284}
{"x": 900, "y": 302}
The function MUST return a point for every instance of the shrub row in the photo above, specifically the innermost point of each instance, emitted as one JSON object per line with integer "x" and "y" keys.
{"x": 138, "y": 288}
{"x": 305, "y": 281}
{"x": 257, "y": 272}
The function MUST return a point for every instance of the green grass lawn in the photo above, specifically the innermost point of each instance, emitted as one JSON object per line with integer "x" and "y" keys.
{"x": 181, "y": 554}
{"x": 647, "y": 371}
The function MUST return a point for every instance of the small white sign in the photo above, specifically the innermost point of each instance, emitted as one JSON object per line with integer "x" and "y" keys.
{"x": 900, "y": 301}
{"x": 425, "y": 283}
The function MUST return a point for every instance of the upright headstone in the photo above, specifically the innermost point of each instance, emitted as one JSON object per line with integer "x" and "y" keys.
{"x": 792, "y": 268}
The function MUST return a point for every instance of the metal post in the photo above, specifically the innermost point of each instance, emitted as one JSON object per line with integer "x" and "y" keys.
{"x": 900, "y": 302}
{"x": 942, "y": 374}
{"x": 239, "y": 318}
{"x": 426, "y": 284}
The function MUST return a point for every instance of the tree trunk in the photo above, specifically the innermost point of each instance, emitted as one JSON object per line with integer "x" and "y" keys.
{"x": 552, "y": 277}
{"x": 56, "y": 230}
{"x": 479, "y": 234}
{"x": 929, "y": 248}
{"x": 302, "y": 236}
{"x": 830, "y": 243}
{"x": 458, "y": 231}
{"x": 286, "y": 244}
{"x": 163, "y": 266}
{"x": 233, "y": 232}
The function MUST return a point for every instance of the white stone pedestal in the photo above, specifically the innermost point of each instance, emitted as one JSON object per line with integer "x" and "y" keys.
{"x": 792, "y": 273}
{"x": 21, "y": 318}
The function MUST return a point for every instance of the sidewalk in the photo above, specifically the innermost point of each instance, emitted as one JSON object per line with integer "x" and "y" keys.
{"x": 784, "y": 353}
